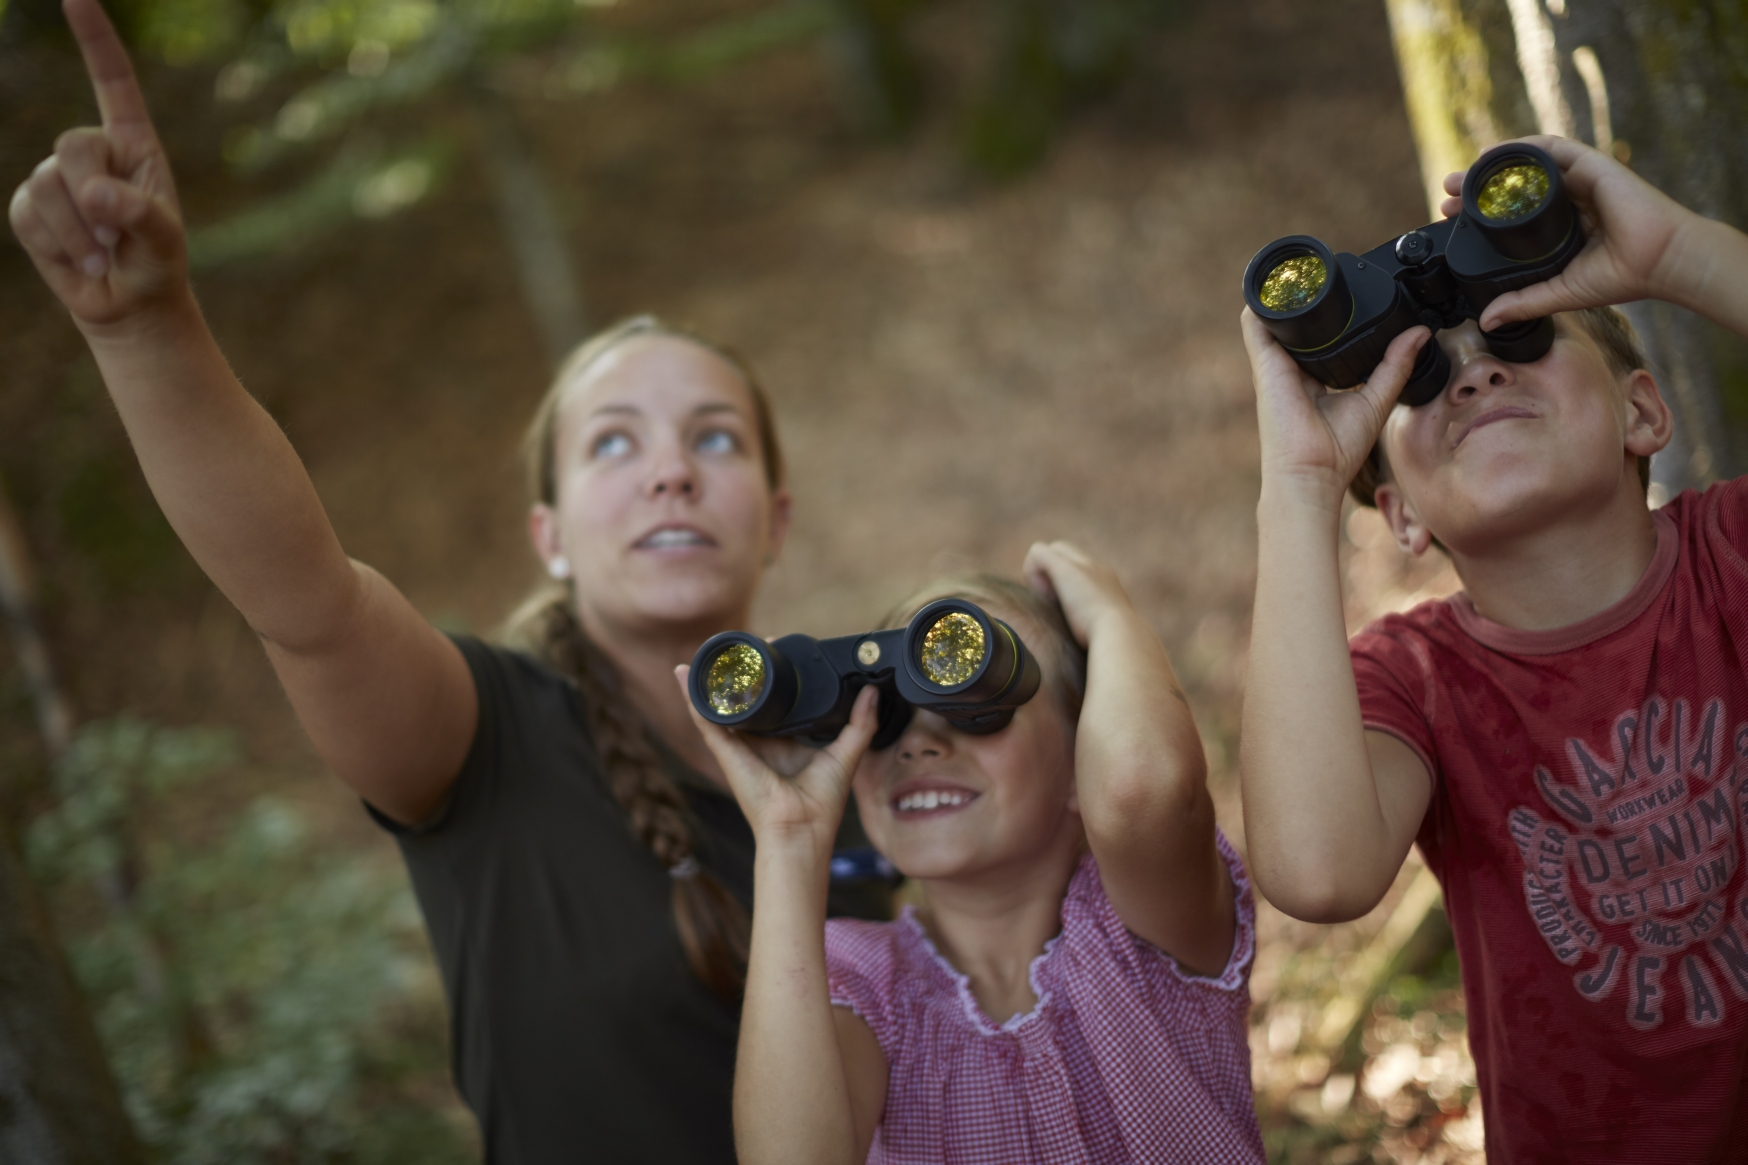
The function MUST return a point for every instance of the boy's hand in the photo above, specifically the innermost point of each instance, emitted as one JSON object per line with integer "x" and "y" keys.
{"x": 1636, "y": 246}
{"x": 789, "y": 791}
{"x": 1087, "y": 590}
{"x": 1315, "y": 436}
{"x": 99, "y": 217}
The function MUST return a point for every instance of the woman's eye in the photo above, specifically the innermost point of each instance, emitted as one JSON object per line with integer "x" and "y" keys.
{"x": 718, "y": 441}
{"x": 610, "y": 445}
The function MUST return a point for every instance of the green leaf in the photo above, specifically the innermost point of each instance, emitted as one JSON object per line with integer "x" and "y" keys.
{"x": 367, "y": 184}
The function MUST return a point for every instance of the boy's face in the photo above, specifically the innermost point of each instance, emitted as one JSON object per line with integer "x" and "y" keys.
{"x": 1512, "y": 449}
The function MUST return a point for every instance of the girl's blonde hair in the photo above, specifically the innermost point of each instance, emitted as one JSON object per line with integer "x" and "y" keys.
{"x": 712, "y": 923}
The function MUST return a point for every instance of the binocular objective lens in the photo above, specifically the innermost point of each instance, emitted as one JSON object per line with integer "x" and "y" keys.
{"x": 952, "y": 649}
{"x": 1293, "y": 283}
{"x": 735, "y": 679}
{"x": 1513, "y": 191}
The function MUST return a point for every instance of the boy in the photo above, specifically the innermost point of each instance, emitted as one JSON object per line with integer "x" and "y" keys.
{"x": 1567, "y": 740}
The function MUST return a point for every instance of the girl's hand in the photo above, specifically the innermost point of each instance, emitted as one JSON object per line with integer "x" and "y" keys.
{"x": 99, "y": 217}
{"x": 1087, "y": 590}
{"x": 1640, "y": 243}
{"x": 1313, "y": 436}
{"x": 789, "y": 791}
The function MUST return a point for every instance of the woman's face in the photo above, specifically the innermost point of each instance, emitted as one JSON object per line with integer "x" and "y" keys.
{"x": 663, "y": 512}
{"x": 940, "y": 803}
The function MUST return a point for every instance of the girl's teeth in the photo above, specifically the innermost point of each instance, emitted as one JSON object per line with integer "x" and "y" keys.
{"x": 931, "y": 799}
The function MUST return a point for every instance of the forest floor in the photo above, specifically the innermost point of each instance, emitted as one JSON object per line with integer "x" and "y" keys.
{"x": 959, "y": 369}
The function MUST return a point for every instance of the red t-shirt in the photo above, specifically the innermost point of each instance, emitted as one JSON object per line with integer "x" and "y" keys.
{"x": 1590, "y": 788}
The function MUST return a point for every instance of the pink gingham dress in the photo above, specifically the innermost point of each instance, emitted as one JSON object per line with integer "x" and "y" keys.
{"x": 1125, "y": 1058}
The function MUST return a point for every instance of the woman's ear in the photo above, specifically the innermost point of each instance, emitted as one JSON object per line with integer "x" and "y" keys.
{"x": 782, "y": 513}
{"x": 1649, "y": 423}
{"x": 1404, "y": 521}
{"x": 543, "y": 534}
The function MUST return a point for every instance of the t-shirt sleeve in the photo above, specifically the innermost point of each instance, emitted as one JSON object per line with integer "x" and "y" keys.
{"x": 1394, "y": 675}
{"x": 1090, "y": 916}
{"x": 860, "y": 971}
{"x": 1728, "y": 503}
{"x": 501, "y": 679}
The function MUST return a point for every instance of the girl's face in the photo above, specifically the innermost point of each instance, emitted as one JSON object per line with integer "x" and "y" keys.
{"x": 942, "y": 804}
{"x": 663, "y": 511}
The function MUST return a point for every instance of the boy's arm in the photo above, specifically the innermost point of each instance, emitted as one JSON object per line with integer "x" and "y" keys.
{"x": 1329, "y": 808}
{"x": 1140, "y": 775}
{"x": 386, "y": 699}
{"x": 809, "y": 1078}
{"x": 1642, "y": 245}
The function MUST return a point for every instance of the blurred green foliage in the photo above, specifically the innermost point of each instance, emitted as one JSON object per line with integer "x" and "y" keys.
{"x": 261, "y": 998}
{"x": 123, "y": 534}
{"x": 1051, "y": 55}
{"x": 331, "y": 73}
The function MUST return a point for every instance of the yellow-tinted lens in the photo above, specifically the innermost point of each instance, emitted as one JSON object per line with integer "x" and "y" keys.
{"x": 952, "y": 649}
{"x": 1293, "y": 283}
{"x": 1513, "y": 191}
{"x": 735, "y": 679}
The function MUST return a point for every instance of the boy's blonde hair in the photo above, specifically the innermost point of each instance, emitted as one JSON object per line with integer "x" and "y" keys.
{"x": 1621, "y": 350}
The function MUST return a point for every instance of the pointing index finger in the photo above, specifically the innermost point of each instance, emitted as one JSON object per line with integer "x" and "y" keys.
{"x": 119, "y": 100}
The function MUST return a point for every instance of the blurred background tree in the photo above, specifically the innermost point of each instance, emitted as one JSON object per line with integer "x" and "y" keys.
{"x": 262, "y": 1001}
{"x": 338, "y": 87}
{"x": 1660, "y": 84}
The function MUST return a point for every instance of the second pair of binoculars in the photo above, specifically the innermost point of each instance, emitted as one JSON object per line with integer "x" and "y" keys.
{"x": 1337, "y": 313}
{"x": 952, "y": 659}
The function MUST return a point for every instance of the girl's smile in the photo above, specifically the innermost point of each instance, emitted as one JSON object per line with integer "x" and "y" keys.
{"x": 923, "y": 797}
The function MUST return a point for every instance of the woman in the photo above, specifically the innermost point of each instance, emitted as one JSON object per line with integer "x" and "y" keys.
{"x": 582, "y": 867}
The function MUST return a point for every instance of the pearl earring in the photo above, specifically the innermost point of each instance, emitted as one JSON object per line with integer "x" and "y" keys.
{"x": 559, "y": 567}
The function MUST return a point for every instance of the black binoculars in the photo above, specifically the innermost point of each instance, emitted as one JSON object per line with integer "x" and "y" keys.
{"x": 951, "y": 659}
{"x": 1336, "y": 313}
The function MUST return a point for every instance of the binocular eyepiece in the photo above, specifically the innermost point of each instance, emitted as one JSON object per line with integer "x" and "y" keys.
{"x": 952, "y": 659}
{"x": 1337, "y": 313}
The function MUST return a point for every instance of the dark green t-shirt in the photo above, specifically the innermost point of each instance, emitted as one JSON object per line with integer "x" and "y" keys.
{"x": 577, "y": 1032}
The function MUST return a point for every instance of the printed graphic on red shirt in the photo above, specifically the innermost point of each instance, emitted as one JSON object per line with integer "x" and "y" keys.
{"x": 1630, "y": 872}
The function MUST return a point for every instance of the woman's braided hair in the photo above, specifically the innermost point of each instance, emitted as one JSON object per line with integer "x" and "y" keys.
{"x": 713, "y": 926}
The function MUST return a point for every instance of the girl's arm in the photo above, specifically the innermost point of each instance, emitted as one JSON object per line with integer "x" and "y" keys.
{"x": 809, "y": 1079}
{"x": 1140, "y": 776}
{"x": 386, "y": 699}
{"x": 1642, "y": 245}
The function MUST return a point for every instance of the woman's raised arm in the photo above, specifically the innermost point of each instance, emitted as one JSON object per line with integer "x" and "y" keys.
{"x": 387, "y": 700}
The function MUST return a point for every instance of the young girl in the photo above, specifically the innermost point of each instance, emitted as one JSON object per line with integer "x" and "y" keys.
{"x": 1075, "y": 988}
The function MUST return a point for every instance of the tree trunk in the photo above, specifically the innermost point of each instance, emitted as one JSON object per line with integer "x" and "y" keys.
{"x": 59, "y": 1104}
{"x": 530, "y": 225}
{"x": 1662, "y": 84}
